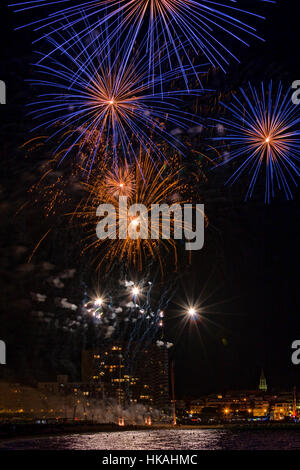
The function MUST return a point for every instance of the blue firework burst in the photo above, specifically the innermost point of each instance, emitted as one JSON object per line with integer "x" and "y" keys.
{"x": 206, "y": 25}
{"x": 109, "y": 100}
{"x": 263, "y": 135}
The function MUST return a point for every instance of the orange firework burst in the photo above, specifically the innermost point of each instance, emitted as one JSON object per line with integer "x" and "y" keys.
{"x": 145, "y": 183}
{"x": 121, "y": 182}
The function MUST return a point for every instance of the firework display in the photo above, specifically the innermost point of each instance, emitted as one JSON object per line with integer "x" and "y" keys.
{"x": 125, "y": 310}
{"x": 128, "y": 310}
{"x": 143, "y": 183}
{"x": 123, "y": 100}
{"x": 110, "y": 100}
{"x": 110, "y": 76}
{"x": 263, "y": 132}
{"x": 149, "y": 199}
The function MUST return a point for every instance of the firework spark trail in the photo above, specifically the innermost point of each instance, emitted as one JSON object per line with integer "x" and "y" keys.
{"x": 146, "y": 314}
{"x": 263, "y": 134}
{"x": 146, "y": 330}
{"x": 164, "y": 299}
{"x": 199, "y": 24}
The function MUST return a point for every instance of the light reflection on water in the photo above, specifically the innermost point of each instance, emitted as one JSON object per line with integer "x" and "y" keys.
{"x": 206, "y": 439}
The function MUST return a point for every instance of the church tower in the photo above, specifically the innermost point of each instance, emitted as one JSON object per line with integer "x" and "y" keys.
{"x": 262, "y": 382}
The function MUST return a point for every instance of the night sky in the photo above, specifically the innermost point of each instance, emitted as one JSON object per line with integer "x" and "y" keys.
{"x": 249, "y": 267}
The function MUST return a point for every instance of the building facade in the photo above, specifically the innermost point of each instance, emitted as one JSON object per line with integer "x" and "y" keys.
{"x": 143, "y": 378}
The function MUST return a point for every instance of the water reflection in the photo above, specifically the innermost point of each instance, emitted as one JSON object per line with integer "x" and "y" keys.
{"x": 165, "y": 440}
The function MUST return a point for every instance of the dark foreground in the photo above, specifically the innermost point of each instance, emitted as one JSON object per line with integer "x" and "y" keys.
{"x": 165, "y": 439}
{"x": 247, "y": 436}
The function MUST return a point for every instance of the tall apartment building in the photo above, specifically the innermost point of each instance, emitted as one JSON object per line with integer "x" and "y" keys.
{"x": 143, "y": 378}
